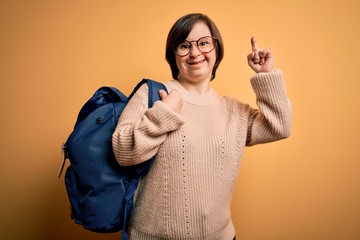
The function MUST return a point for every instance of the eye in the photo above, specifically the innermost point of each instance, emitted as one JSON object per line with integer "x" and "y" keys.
{"x": 184, "y": 46}
{"x": 204, "y": 42}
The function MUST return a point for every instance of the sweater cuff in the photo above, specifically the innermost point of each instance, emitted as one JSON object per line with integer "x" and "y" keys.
{"x": 166, "y": 119}
{"x": 270, "y": 83}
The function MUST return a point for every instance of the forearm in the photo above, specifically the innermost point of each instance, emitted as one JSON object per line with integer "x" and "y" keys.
{"x": 273, "y": 119}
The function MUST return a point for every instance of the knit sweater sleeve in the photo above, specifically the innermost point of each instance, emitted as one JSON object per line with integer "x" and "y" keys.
{"x": 140, "y": 130}
{"x": 273, "y": 119}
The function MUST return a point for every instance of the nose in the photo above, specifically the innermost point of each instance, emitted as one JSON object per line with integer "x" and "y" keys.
{"x": 194, "y": 51}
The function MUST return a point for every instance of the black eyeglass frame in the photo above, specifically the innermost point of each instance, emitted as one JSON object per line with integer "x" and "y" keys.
{"x": 214, "y": 39}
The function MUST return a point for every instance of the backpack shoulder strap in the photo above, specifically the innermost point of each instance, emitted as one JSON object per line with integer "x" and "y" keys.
{"x": 154, "y": 88}
{"x": 143, "y": 168}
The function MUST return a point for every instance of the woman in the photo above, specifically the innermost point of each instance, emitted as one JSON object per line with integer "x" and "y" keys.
{"x": 198, "y": 137}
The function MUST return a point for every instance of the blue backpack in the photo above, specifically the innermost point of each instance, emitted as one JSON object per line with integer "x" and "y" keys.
{"x": 101, "y": 191}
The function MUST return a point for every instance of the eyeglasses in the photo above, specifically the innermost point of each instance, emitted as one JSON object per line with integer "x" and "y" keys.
{"x": 204, "y": 44}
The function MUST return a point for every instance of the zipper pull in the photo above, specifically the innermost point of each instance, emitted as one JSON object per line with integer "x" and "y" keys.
{"x": 66, "y": 156}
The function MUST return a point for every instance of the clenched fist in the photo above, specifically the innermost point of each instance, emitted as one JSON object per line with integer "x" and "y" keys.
{"x": 173, "y": 100}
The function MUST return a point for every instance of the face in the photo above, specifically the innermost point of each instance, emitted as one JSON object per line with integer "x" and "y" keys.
{"x": 196, "y": 66}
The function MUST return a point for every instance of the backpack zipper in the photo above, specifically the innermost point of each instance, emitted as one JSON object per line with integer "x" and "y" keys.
{"x": 66, "y": 156}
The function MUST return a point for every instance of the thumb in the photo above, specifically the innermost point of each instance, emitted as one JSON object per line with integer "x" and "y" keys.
{"x": 162, "y": 94}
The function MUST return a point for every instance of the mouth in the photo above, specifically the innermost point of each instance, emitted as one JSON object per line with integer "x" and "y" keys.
{"x": 196, "y": 62}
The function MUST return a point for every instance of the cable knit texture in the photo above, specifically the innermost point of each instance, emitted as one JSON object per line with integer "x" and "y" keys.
{"x": 187, "y": 193}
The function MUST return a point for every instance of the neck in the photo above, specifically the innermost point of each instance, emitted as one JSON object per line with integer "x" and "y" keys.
{"x": 198, "y": 87}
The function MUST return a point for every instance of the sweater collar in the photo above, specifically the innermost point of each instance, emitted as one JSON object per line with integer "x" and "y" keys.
{"x": 207, "y": 99}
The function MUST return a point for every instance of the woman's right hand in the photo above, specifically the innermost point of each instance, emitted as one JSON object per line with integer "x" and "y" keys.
{"x": 260, "y": 60}
{"x": 173, "y": 100}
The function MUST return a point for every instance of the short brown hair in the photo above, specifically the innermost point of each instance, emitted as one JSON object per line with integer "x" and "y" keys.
{"x": 179, "y": 32}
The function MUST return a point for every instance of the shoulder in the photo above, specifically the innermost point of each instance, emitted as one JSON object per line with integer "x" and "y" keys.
{"x": 170, "y": 85}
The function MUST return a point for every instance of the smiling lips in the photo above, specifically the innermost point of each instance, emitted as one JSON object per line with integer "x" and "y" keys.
{"x": 196, "y": 62}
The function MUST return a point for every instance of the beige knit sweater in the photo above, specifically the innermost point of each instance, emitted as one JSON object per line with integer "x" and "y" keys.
{"x": 187, "y": 193}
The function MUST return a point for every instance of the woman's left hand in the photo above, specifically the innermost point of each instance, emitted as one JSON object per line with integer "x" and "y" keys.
{"x": 260, "y": 60}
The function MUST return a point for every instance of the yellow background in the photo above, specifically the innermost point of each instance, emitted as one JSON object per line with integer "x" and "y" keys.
{"x": 55, "y": 54}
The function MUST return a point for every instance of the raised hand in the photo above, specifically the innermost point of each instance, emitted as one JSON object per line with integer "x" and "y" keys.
{"x": 173, "y": 100}
{"x": 260, "y": 60}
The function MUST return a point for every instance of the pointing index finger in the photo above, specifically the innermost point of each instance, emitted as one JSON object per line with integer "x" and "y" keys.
{"x": 253, "y": 44}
